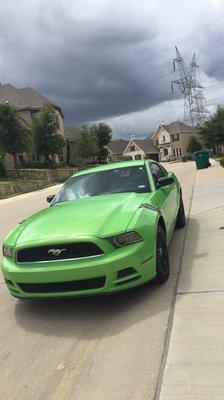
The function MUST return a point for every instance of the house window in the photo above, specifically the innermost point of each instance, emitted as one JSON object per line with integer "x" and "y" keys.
{"x": 157, "y": 143}
{"x": 164, "y": 138}
{"x": 132, "y": 148}
{"x": 138, "y": 157}
{"x": 165, "y": 152}
{"x": 61, "y": 158}
{"x": 177, "y": 152}
{"x": 175, "y": 137}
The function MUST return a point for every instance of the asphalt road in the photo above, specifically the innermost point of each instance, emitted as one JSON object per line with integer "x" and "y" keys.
{"x": 107, "y": 348}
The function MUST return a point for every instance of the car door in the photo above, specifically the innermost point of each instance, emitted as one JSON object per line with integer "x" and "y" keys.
{"x": 165, "y": 197}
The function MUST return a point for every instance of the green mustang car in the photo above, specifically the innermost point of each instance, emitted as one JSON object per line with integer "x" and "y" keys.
{"x": 106, "y": 230}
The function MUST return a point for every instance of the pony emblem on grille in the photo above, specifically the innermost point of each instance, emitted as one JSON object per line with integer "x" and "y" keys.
{"x": 56, "y": 252}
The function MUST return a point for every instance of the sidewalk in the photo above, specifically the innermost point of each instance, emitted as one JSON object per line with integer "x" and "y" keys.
{"x": 194, "y": 368}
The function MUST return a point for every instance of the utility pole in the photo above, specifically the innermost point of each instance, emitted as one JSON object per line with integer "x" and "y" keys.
{"x": 195, "y": 110}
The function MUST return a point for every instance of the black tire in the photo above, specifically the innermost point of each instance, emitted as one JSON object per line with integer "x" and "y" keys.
{"x": 180, "y": 222}
{"x": 162, "y": 257}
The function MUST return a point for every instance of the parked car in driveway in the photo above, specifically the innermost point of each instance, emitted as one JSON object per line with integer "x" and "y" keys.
{"x": 106, "y": 230}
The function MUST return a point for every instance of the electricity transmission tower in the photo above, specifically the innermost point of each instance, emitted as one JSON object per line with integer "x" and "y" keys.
{"x": 195, "y": 110}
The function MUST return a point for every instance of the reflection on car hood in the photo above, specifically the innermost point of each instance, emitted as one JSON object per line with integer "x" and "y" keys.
{"x": 100, "y": 216}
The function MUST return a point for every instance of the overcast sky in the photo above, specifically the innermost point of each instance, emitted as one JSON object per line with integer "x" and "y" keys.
{"x": 101, "y": 59}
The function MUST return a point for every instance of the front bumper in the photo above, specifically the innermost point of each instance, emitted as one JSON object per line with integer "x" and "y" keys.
{"x": 137, "y": 259}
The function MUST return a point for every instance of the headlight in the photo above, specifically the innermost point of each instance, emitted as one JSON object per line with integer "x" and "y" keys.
{"x": 124, "y": 239}
{"x": 7, "y": 251}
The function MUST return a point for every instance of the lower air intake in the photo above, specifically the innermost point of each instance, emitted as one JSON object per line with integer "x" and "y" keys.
{"x": 57, "y": 287}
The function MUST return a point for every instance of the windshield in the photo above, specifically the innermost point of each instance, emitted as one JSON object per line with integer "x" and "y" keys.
{"x": 117, "y": 180}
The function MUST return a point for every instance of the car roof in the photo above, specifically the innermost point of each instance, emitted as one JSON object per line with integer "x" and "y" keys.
{"x": 112, "y": 165}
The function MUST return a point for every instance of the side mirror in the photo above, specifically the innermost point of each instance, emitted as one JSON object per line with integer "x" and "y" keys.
{"x": 50, "y": 198}
{"x": 164, "y": 181}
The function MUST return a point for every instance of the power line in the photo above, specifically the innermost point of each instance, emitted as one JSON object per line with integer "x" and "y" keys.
{"x": 158, "y": 78}
{"x": 169, "y": 73}
{"x": 212, "y": 62}
{"x": 214, "y": 87}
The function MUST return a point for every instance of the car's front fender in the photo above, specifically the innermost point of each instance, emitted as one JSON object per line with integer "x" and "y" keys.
{"x": 145, "y": 222}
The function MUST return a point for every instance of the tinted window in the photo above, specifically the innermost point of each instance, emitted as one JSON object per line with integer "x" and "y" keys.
{"x": 117, "y": 180}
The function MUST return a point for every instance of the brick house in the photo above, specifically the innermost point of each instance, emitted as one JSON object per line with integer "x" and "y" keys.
{"x": 140, "y": 149}
{"x": 136, "y": 149}
{"x": 172, "y": 139}
{"x": 28, "y": 103}
{"x": 115, "y": 149}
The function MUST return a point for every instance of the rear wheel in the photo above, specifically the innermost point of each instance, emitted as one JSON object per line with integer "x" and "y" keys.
{"x": 180, "y": 222}
{"x": 162, "y": 256}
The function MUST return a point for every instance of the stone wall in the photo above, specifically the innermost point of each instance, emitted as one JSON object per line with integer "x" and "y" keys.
{"x": 49, "y": 175}
{"x": 21, "y": 187}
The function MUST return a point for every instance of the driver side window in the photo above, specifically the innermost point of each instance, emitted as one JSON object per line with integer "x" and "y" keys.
{"x": 157, "y": 172}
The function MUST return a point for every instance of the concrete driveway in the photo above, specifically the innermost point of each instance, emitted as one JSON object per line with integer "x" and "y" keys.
{"x": 194, "y": 365}
{"x": 107, "y": 348}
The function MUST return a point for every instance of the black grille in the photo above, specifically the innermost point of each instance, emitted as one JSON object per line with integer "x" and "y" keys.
{"x": 86, "y": 284}
{"x": 58, "y": 252}
{"x": 125, "y": 272}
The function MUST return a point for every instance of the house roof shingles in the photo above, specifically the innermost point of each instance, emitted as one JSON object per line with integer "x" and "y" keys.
{"x": 25, "y": 98}
{"x": 147, "y": 146}
{"x": 174, "y": 127}
{"x": 178, "y": 127}
{"x": 117, "y": 146}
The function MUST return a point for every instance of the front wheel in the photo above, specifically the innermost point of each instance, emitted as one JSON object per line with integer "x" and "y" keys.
{"x": 162, "y": 256}
{"x": 180, "y": 222}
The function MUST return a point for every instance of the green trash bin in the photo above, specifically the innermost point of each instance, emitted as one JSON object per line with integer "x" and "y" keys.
{"x": 202, "y": 159}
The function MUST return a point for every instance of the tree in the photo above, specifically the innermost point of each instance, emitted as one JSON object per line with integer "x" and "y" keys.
{"x": 48, "y": 140}
{"x": 103, "y": 132}
{"x": 86, "y": 142}
{"x": 212, "y": 130}
{"x": 15, "y": 136}
{"x": 193, "y": 145}
{"x": 219, "y": 125}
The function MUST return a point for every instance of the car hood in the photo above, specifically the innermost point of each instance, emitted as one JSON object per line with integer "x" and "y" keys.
{"x": 99, "y": 216}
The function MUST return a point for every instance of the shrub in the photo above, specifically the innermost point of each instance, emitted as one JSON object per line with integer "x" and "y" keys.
{"x": 222, "y": 161}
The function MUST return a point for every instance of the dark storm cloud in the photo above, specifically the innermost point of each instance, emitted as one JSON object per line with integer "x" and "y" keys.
{"x": 98, "y": 59}
{"x": 94, "y": 67}
{"x": 106, "y": 73}
{"x": 211, "y": 48}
